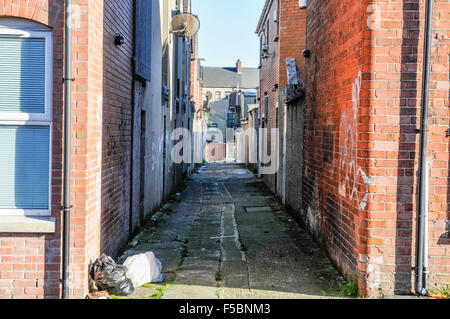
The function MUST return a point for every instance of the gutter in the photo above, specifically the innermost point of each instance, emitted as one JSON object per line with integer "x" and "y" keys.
{"x": 422, "y": 237}
{"x": 263, "y": 16}
{"x": 67, "y": 150}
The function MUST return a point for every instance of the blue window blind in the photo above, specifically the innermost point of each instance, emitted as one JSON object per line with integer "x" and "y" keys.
{"x": 143, "y": 51}
{"x": 24, "y": 167}
{"x": 22, "y": 75}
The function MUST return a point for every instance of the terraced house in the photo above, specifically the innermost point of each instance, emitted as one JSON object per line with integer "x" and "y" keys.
{"x": 365, "y": 141}
{"x": 120, "y": 57}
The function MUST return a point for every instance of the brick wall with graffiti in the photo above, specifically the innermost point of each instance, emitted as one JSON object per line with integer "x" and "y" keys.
{"x": 361, "y": 142}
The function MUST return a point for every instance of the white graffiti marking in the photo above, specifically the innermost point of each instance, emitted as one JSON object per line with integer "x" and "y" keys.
{"x": 350, "y": 172}
{"x": 74, "y": 18}
{"x": 373, "y": 21}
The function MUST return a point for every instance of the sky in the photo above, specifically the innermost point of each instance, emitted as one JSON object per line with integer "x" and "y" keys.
{"x": 227, "y": 31}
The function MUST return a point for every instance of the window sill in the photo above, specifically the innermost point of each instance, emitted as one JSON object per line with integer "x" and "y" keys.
{"x": 27, "y": 224}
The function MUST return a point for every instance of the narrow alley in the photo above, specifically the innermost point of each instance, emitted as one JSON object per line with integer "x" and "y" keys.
{"x": 265, "y": 149}
{"x": 229, "y": 238}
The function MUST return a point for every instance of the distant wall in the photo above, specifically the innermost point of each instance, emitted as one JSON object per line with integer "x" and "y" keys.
{"x": 215, "y": 152}
{"x": 269, "y": 76}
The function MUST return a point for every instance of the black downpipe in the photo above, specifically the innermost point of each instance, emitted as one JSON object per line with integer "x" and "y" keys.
{"x": 422, "y": 253}
{"x": 133, "y": 101}
{"x": 67, "y": 150}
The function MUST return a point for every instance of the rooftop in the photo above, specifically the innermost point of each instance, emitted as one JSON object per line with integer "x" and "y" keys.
{"x": 220, "y": 77}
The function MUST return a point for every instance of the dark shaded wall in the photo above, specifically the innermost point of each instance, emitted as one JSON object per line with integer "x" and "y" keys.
{"x": 117, "y": 125}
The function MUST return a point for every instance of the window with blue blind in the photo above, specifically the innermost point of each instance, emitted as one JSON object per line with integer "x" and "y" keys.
{"x": 143, "y": 30}
{"x": 22, "y": 75}
{"x": 24, "y": 167}
{"x": 25, "y": 121}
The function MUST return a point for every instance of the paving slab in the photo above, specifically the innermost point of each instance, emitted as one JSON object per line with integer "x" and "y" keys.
{"x": 230, "y": 238}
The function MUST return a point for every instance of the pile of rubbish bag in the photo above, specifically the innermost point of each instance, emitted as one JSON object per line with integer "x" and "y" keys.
{"x": 121, "y": 280}
{"x": 111, "y": 277}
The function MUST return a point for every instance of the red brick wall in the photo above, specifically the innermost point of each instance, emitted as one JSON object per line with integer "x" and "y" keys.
{"x": 30, "y": 263}
{"x": 292, "y": 43}
{"x": 396, "y": 95}
{"x": 269, "y": 76}
{"x": 330, "y": 207}
{"x": 292, "y": 36}
{"x": 196, "y": 92}
{"x": 101, "y": 128}
{"x": 85, "y": 138}
{"x": 291, "y": 32}
{"x": 117, "y": 126}
{"x": 364, "y": 90}
{"x": 439, "y": 150}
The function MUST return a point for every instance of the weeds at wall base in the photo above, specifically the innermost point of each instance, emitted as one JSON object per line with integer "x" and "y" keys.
{"x": 350, "y": 289}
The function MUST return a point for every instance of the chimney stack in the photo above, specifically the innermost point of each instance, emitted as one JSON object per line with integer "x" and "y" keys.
{"x": 239, "y": 66}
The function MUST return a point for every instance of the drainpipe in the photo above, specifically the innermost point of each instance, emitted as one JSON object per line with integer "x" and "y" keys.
{"x": 67, "y": 150}
{"x": 133, "y": 101}
{"x": 422, "y": 239}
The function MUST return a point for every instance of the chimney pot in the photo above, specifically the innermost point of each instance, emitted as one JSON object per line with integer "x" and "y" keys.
{"x": 239, "y": 66}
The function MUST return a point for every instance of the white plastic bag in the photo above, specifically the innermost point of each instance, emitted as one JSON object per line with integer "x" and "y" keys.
{"x": 144, "y": 268}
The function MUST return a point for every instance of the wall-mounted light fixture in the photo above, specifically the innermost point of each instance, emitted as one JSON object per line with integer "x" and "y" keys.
{"x": 119, "y": 39}
{"x": 307, "y": 54}
{"x": 265, "y": 51}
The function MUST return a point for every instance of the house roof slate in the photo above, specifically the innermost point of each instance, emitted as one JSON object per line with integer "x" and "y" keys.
{"x": 219, "y": 77}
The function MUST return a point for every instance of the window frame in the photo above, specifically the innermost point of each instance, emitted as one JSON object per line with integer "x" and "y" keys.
{"x": 31, "y": 119}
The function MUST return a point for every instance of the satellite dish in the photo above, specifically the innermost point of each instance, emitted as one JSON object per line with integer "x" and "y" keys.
{"x": 184, "y": 25}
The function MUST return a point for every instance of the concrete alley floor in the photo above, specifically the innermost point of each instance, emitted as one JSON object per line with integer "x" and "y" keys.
{"x": 229, "y": 238}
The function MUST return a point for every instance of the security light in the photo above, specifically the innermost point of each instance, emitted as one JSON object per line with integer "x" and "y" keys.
{"x": 119, "y": 39}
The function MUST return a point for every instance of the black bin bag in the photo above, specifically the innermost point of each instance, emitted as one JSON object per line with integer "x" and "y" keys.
{"x": 109, "y": 276}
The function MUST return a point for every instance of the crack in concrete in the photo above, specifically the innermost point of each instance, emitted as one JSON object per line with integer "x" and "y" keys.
{"x": 241, "y": 248}
{"x": 237, "y": 239}
{"x": 222, "y": 251}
